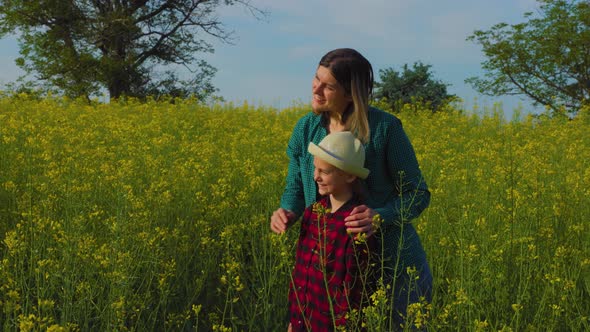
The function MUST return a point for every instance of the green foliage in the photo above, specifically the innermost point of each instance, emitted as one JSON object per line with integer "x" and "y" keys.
{"x": 546, "y": 58}
{"x": 85, "y": 47}
{"x": 411, "y": 86}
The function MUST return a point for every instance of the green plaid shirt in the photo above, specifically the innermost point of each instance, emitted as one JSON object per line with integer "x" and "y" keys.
{"x": 395, "y": 186}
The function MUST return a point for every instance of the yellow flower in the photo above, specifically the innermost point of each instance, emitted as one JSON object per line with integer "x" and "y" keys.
{"x": 56, "y": 328}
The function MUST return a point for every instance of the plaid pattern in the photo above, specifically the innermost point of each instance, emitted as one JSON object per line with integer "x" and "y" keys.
{"x": 328, "y": 270}
{"x": 389, "y": 154}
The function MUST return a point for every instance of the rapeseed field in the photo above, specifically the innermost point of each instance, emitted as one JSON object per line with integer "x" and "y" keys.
{"x": 154, "y": 216}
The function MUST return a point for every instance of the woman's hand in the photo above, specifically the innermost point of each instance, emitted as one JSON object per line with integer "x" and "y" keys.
{"x": 360, "y": 220}
{"x": 280, "y": 220}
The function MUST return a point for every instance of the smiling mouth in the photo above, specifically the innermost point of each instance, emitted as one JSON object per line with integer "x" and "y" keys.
{"x": 320, "y": 100}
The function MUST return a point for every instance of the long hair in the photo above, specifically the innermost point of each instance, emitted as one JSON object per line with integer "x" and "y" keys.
{"x": 355, "y": 73}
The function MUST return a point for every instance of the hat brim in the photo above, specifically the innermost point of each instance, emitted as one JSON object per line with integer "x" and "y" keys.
{"x": 326, "y": 156}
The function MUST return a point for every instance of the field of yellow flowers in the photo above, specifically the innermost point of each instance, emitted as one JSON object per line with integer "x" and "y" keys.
{"x": 155, "y": 217}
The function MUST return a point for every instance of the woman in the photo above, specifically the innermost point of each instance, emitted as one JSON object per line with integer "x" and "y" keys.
{"x": 341, "y": 90}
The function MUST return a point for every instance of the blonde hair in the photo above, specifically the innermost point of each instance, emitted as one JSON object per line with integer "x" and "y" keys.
{"x": 355, "y": 73}
{"x": 358, "y": 122}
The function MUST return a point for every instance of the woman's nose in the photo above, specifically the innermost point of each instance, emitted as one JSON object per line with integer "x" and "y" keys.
{"x": 315, "y": 88}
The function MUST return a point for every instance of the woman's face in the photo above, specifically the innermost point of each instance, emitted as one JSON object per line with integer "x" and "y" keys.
{"x": 327, "y": 94}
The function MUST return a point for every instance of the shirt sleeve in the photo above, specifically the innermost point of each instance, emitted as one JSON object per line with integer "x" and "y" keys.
{"x": 293, "y": 198}
{"x": 413, "y": 195}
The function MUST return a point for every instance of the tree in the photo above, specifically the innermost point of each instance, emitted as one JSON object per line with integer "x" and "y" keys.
{"x": 412, "y": 85}
{"x": 83, "y": 46}
{"x": 546, "y": 58}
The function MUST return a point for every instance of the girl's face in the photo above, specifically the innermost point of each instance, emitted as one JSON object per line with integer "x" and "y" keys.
{"x": 327, "y": 94}
{"x": 331, "y": 180}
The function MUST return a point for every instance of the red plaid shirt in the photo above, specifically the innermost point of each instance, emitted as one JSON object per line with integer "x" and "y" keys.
{"x": 329, "y": 266}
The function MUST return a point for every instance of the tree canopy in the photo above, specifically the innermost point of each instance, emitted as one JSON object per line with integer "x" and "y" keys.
{"x": 126, "y": 47}
{"x": 411, "y": 85}
{"x": 546, "y": 58}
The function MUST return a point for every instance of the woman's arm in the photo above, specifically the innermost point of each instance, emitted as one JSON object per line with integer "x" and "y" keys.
{"x": 411, "y": 192}
{"x": 293, "y": 196}
{"x": 413, "y": 195}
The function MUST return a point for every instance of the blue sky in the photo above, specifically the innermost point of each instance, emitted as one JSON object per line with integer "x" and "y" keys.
{"x": 272, "y": 61}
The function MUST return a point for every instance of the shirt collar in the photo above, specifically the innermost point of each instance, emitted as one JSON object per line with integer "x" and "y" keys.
{"x": 351, "y": 203}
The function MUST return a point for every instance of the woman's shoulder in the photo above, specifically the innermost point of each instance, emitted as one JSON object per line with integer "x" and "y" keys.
{"x": 381, "y": 119}
{"x": 309, "y": 118}
{"x": 307, "y": 121}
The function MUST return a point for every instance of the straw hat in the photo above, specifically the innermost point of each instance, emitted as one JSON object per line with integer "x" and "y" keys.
{"x": 342, "y": 150}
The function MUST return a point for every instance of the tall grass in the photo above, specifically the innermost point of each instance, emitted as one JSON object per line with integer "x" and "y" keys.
{"x": 155, "y": 216}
